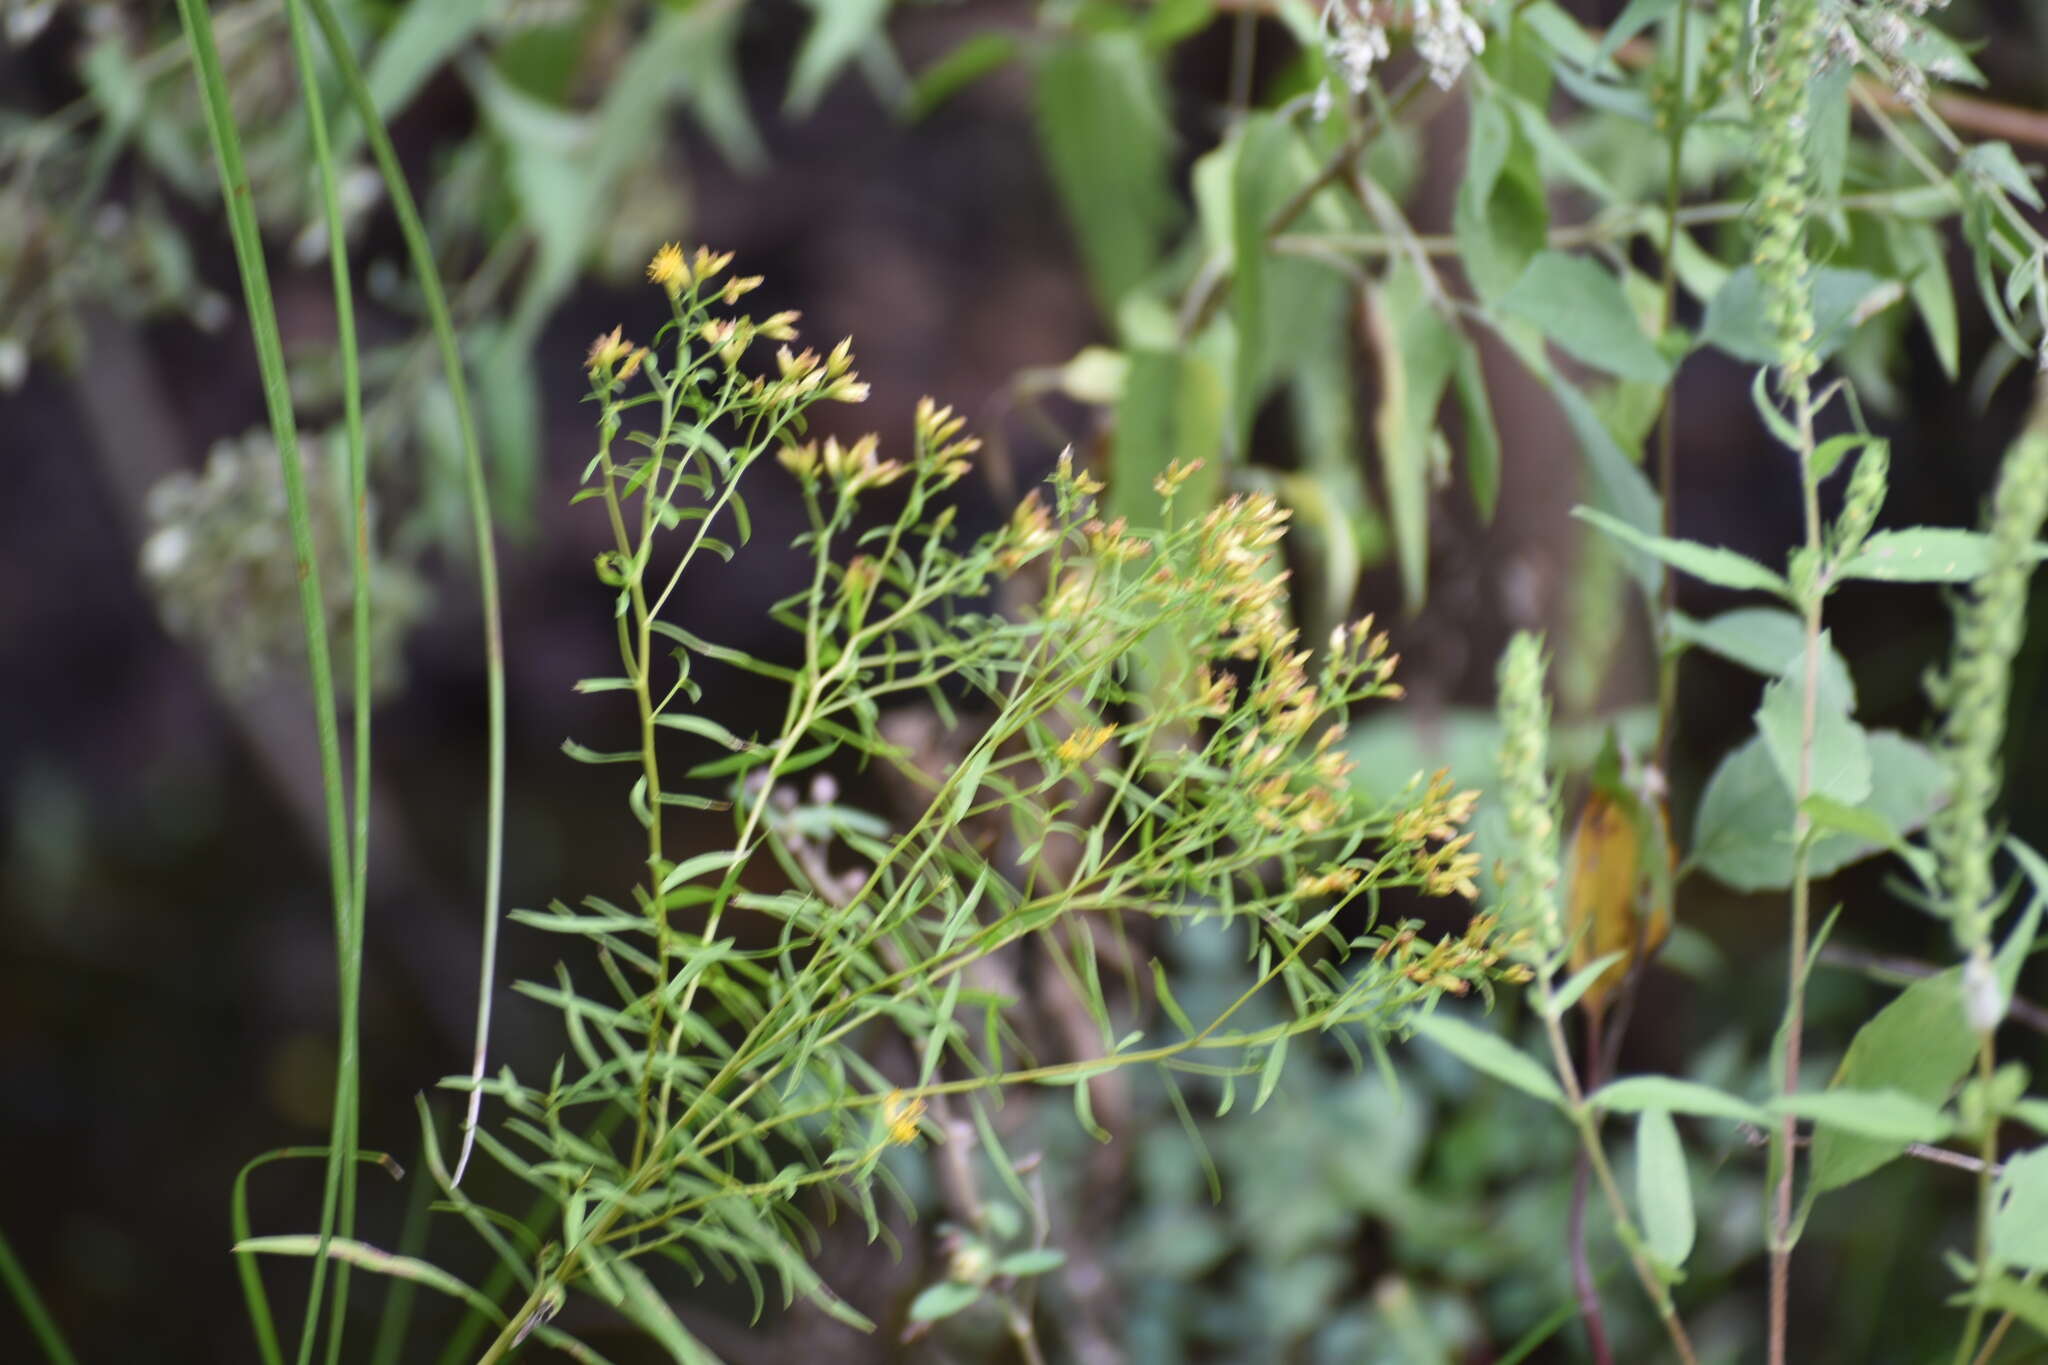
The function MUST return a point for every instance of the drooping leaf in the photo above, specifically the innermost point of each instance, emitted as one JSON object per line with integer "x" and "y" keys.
{"x": 1836, "y": 756}
{"x": 2019, "y": 1219}
{"x": 1711, "y": 563}
{"x": 1926, "y": 554}
{"x": 1764, "y": 640}
{"x": 1886, "y": 1115}
{"x": 1581, "y": 307}
{"x": 1664, "y": 1189}
{"x": 1919, "y": 1045}
{"x": 1743, "y": 831}
{"x": 1635, "y": 1094}
{"x": 1490, "y": 1053}
{"x": 836, "y": 35}
{"x": 1102, "y": 124}
{"x": 1417, "y": 352}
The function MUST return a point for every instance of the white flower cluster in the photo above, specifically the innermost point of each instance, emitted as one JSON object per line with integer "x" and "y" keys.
{"x": 1446, "y": 36}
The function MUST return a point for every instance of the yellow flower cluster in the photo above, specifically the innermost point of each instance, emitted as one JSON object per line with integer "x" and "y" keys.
{"x": 1085, "y": 742}
{"x": 1453, "y": 964}
{"x": 852, "y": 468}
{"x": 938, "y": 444}
{"x": 1451, "y": 868}
{"x": 900, "y": 1116}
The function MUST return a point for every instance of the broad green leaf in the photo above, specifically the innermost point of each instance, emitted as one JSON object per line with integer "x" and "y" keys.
{"x": 1839, "y": 764}
{"x": 943, "y": 1300}
{"x": 973, "y": 59}
{"x": 840, "y": 30}
{"x": 2019, "y": 1219}
{"x": 1926, "y": 554}
{"x": 1743, "y": 831}
{"x": 1737, "y": 319}
{"x": 1490, "y": 1053}
{"x": 1040, "y": 1261}
{"x": 1921, "y": 256}
{"x": 1501, "y": 216}
{"x": 689, "y": 869}
{"x": 425, "y": 36}
{"x": 1417, "y": 352}
{"x": 1262, "y": 175}
{"x": 1579, "y": 305}
{"x": 1174, "y": 406}
{"x": 1664, "y": 1188}
{"x": 1886, "y": 1115}
{"x": 1637, "y": 1094}
{"x": 1102, "y": 124}
{"x": 1996, "y": 162}
{"x": 1919, "y": 1046}
{"x": 1710, "y": 563}
{"x": 1764, "y": 640}
{"x": 1482, "y": 437}
{"x": 1169, "y": 21}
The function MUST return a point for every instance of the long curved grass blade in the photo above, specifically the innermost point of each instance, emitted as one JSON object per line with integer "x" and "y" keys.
{"x": 429, "y": 279}
{"x": 40, "y": 1324}
{"x": 347, "y": 1075}
{"x": 260, "y": 1319}
{"x": 198, "y": 28}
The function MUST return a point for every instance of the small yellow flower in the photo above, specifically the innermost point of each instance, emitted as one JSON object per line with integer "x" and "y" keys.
{"x": 607, "y": 350}
{"x": 1085, "y": 742}
{"x": 669, "y": 270}
{"x": 900, "y": 1114}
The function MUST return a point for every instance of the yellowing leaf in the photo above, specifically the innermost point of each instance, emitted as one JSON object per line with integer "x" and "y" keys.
{"x": 1617, "y": 904}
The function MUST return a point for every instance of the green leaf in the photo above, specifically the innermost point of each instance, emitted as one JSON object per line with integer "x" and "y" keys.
{"x": 1502, "y": 216}
{"x": 1918, "y": 1046}
{"x": 1996, "y": 162}
{"x": 1710, "y": 563}
{"x": 1579, "y": 305}
{"x": 689, "y": 869}
{"x": 840, "y": 30}
{"x": 1482, "y": 437}
{"x": 943, "y": 1300}
{"x": 1269, "y": 1072}
{"x": 1637, "y": 16}
{"x": 1490, "y": 1053}
{"x": 425, "y": 36}
{"x": 1261, "y": 176}
{"x": 1174, "y": 407}
{"x": 1417, "y": 353}
{"x": 1764, "y": 640}
{"x": 1581, "y": 981}
{"x": 1738, "y": 322}
{"x": 1664, "y": 1189}
{"x": 1887, "y": 1115}
{"x": 1103, "y": 127}
{"x": 1742, "y": 833}
{"x": 1038, "y": 1261}
{"x": 978, "y": 56}
{"x": 1840, "y": 753}
{"x": 2019, "y": 1218}
{"x": 1169, "y": 21}
{"x": 1926, "y": 554}
{"x": 2025, "y": 1302}
{"x": 1637, "y": 1094}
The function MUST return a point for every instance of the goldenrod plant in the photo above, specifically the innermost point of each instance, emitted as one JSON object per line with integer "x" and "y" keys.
{"x": 1098, "y": 785}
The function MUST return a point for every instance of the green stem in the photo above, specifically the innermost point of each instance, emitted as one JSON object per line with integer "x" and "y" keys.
{"x": 40, "y": 1324}
{"x": 235, "y": 194}
{"x": 1784, "y": 1142}
{"x": 429, "y": 279}
{"x": 1987, "y": 1160}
